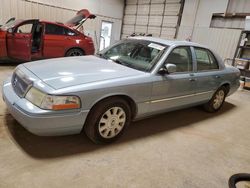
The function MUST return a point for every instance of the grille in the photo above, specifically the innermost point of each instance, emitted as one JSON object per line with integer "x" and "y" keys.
{"x": 20, "y": 85}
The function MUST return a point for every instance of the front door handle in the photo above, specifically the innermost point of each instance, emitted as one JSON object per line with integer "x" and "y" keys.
{"x": 217, "y": 76}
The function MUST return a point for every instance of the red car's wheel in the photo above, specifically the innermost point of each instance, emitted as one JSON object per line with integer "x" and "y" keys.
{"x": 74, "y": 52}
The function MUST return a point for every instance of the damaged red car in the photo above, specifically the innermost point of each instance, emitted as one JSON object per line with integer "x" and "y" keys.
{"x": 34, "y": 39}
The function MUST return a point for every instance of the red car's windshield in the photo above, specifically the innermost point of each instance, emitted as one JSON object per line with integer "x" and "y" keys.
{"x": 10, "y": 24}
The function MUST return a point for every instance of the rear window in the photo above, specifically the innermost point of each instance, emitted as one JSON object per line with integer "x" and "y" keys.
{"x": 52, "y": 29}
{"x": 205, "y": 60}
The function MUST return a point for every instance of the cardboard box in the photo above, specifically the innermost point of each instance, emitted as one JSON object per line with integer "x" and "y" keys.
{"x": 242, "y": 63}
{"x": 247, "y": 82}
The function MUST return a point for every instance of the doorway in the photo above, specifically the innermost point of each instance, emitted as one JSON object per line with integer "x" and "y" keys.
{"x": 106, "y": 32}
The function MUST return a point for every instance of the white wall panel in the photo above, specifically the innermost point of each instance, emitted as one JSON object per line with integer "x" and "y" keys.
{"x": 150, "y": 16}
{"x": 168, "y": 33}
{"x": 172, "y": 9}
{"x": 155, "y": 31}
{"x": 158, "y": 1}
{"x": 155, "y": 21}
{"x": 143, "y": 10}
{"x": 223, "y": 41}
{"x": 129, "y": 19}
{"x": 128, "y": 29}
{"x": 142, "y": 20}
{"x": 131, "y": 2}
{"x": 143, "y": 1}
{"x": 173, "y": 1}
{"x": 131, "y": 9}
{"x": 140, "y": 29}
{"x": 195, "y": 24}
{"x": 157, "y": 9}
{"x": 170, "y": 21}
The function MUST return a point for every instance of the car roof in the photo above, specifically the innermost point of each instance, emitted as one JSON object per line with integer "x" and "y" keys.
{"x": 168, "y": 42}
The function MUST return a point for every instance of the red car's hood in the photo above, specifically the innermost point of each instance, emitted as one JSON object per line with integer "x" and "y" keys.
{"x": 80, "y": 18}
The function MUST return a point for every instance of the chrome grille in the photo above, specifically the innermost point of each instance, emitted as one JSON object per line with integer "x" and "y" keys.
{"x": 20, "y": 85}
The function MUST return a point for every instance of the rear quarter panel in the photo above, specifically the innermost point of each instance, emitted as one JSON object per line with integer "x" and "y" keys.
{"x": 231, "y": 75}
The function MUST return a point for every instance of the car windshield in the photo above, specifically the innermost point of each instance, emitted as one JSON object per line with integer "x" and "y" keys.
{"x": 137, "y": 54}
{"x": 10, "y": 24}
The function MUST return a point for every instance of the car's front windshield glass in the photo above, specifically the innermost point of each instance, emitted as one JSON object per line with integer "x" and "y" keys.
{"x": 137, "y": 54}
{"x": 10, "y": 24}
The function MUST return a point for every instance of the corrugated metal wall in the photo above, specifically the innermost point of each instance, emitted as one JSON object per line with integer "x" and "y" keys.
{"x": 223, "y": 41}
{"x": 195, "y": 25}
{"x": 28, "y": 9}
{"x": 156, "y": 17}
{"x": 238, "y": 6}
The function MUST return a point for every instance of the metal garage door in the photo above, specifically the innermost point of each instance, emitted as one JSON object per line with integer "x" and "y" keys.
{"x": 157, "y": 17}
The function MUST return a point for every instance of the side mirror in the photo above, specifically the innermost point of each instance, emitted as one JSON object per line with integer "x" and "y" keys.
{"x": 10, "y": 30}
{"x": 167, "y": 69}
{"x": 171, "y": 68}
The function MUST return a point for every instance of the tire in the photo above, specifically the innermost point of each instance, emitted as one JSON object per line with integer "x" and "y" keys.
{"x": 74, "y": 52}
{"x": 107, "y": 120}
{"x": 217, "y": 101}
{"x": 234, "y": 179}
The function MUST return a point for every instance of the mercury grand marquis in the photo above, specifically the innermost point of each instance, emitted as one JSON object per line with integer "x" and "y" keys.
{"x": 101, "y": 95}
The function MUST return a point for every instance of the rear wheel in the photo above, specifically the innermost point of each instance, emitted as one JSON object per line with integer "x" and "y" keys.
{"x": 107, "y": 121}
{"x": 74, "y": 52}
{"x": 217, "y": 100}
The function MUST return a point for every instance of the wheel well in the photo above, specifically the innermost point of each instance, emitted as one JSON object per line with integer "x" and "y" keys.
{"x": 75, "y": 48}
{"x": 126, "y": 98}
{"x": 227, "y": 86}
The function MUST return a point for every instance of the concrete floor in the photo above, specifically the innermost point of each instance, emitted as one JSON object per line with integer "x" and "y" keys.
{"x": 184, "y": 149}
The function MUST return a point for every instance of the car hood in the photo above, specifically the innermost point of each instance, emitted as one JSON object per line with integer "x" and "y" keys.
{"x": 71, "y": 71}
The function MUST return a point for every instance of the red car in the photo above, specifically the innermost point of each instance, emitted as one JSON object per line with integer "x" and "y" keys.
{"x": 33, "y": 39}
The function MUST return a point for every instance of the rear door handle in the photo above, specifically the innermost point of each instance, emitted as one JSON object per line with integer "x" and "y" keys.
{"x": 217, "y": 76}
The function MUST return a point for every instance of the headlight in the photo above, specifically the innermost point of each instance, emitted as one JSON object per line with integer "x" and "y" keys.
{"x": 52, "y": 102}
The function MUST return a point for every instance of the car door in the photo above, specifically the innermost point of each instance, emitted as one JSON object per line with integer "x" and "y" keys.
{"x": 19, "y": 41}
{"x": 55, "y": 40}
{"x": 176, "y": 89}
{"x": 207, "y": 74}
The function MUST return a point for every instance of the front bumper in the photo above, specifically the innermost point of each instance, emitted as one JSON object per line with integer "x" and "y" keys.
{"x": 42, "y": 122}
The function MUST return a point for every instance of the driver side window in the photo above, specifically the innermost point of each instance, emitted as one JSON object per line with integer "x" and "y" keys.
{"x": 26, "y": 28}
{"x": 182, "y": 58}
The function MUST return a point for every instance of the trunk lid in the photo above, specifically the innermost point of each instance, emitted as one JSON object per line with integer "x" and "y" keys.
{"x": 80, "y": 18}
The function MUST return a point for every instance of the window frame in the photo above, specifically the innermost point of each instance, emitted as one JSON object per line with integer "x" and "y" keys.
{"x": 192, "y": 60}
{"x": 64, "y": 29}
{"x": 207, "y": 50}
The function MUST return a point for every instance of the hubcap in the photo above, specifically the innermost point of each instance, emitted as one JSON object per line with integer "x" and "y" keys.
{"x": 112, "y": 122}
{"x": 219, "y": 98}
{"x": 75, "y": 53}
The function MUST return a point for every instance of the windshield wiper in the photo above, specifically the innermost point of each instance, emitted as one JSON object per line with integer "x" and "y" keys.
{"x": 117, "y": 61}
{"x": 101, "y": 55}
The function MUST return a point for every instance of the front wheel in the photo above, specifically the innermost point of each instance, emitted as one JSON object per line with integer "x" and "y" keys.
{"x": 217, "y": 100}
{"x": 107, "y": 121}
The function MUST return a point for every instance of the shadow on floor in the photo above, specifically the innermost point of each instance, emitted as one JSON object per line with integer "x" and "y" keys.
{"x": 8, "y": 63}
{"x": 51, "y": 147}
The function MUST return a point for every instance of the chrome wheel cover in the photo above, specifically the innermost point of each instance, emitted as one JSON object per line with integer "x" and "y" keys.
{"x": 112, "y": 122}
{"x": 75, "y": 53}
{"x": 218, "y": 99}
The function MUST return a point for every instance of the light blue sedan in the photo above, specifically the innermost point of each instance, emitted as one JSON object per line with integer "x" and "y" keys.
{"x": 101, "y": 95}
